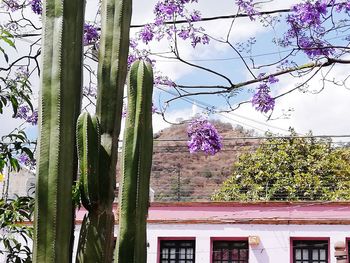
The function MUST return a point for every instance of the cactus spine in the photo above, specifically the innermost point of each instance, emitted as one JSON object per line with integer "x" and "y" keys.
{"x": 136, "y": 166}
{"x": 96, "y": 238}
{"x": 60, "y": 99}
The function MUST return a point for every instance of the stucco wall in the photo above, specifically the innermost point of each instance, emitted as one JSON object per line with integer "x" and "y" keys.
{"x": 274, "y": 239}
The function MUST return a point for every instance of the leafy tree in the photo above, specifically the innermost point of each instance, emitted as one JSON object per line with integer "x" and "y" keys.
{"x": 291, "y": 168}
{"x": 13, "y": 215}
{"x": 316, "y": 38}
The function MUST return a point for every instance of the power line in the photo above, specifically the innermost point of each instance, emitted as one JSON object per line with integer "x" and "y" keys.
{"x": 268, "y": 137}
{"x": 192, "y": 101}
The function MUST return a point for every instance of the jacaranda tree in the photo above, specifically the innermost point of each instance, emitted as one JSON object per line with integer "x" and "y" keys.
{"x": 315, "y": 37}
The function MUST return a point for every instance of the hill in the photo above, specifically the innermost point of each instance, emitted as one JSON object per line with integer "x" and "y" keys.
{"x": 178, "y": 175}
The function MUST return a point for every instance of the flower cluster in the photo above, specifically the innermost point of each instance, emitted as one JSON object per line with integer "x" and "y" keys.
{"x": 343, "y": 6}
{"x": 203, "y": 136}
{"x": 248, "y": 7}
{"x": 26, "y": 114}
{"x": 306, "y": 28}
{"x": 164, "y": 81}
{"x": 37, "y": 6}
{"x": 308, "y": 14}
{"x": 22, "y": 74}
{"x": 11, "y": 5}
{"x": 138, "y": 54}
{"x": 167, "y": 11}
{"x": 262, "y": 100}
{"x": 91, "y": 35}
{"x": 315, "y": 47}
{"x": 27, "y": 161}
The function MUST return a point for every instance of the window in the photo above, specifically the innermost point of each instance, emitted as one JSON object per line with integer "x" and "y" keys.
{"x": 310, "y": 251}
{"x": 177, "y": 251}
{"x": 230, "y": 251}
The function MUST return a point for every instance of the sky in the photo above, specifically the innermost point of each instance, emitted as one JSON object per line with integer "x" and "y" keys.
{"x": 325, "y": 113}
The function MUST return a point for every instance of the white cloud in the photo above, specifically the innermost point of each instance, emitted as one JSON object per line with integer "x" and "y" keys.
{"x": 324, "y": 113}
{"x": 8, "y": 124}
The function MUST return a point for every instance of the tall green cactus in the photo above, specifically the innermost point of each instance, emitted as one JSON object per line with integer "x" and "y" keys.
{"x": 60, "y": 99}
{"x": 136, "y": 166}
{"x": 97, "y": 227}
{"x": 98, "y": 170}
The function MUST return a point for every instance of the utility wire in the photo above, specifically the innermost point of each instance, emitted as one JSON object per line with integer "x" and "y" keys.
{"x": 267, "y": 137}
{"x": 192, "y": 101}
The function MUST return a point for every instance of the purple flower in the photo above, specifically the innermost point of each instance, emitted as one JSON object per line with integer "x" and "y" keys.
{"x": 272, "y": 79}
{"x": 27, "y": 161}
{"x": 343, "y": 6}
{"x": 131, "y": 59}
{"x": 203, "y": 136}
{"x": 12, "y": 5}
{"x": 167, "y": 10}
{"x": 195, "y": 16}
{"x": 133, "y": 43}
{"x": 195, "y": 41}
{"x": 164, "y": 81}
{"x": 91, "y": 35}
{"x": 309, "y": 14}
{"x": 205, "y": 39}
{"x": 262, "y": 100}
{"x": 315, "y": 48}
{"x": 184, "y": 33}
{"x": 306, "y": 28}
{"x": 24, "y": 112}
{"x": 146, "y": 34}
{"x": 37, "y": 6}
{"x": 22, "y": 73}
{"x": 24, "y": 158}
{"x": 248, "y": 7}
{"x": 33, "y": 119}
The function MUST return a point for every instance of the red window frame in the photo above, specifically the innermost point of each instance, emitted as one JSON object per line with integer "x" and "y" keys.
{"x": 160, "y": 239}
{"x": 212, "y": 239}
{"x": 292, "y": 239}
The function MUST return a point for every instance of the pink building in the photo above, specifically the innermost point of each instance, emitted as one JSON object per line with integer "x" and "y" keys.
{"x": 232, "y": 232}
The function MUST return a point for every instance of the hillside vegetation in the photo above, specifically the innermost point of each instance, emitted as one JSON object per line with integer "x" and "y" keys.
{"x": 178, "y": 175}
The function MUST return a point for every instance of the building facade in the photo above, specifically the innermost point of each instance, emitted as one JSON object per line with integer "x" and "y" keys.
{"x": 231, "y": 232}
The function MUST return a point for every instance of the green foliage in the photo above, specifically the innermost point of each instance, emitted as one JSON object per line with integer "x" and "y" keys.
{"x": 7, "y": 37}
{"x": 290, "y": 169}
{"x": 11, "y": 146}
{"x": 15, "y": 91}
{"x": 13, "y": 217}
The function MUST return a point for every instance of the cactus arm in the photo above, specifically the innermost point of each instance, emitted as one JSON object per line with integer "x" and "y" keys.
{"x": 128, "y": 190}
{"x": 60, "y": 99}
{"x": 136, "y": 166}
{"x": 144, "y": 119}
{"x": 112, "y": 70}
{"x": 88, "y": 144}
